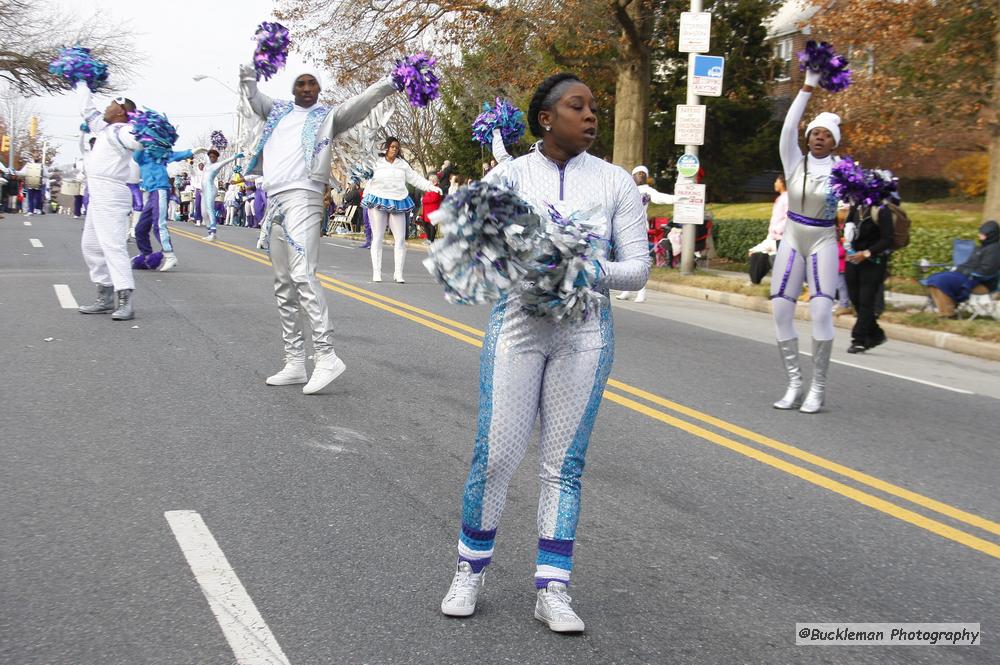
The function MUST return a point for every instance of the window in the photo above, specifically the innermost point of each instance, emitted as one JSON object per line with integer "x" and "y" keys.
{"x": 783, "y": 56}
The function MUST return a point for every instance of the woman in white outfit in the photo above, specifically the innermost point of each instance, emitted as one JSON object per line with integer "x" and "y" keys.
{"x": 388, "y": 201}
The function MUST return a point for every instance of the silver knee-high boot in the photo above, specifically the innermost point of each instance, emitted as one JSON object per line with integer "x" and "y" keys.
{"x": 821, "y": 364}
{"x": 789, "y": 350}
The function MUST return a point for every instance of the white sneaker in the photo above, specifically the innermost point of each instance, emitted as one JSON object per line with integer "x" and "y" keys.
{"x": 553, "y": 609}
{"x": 325, "y": 371}
{"x": 376, "y": 277}
{"x": 398, "y": 278}
{"x": 169, "y": 262}
{"x": 210, "y": 237}
{"x": 291, "y": 374}
{"x": 641, "y": 295}
{"x": 623, "y": 295}
{"x": 460, "y": 601}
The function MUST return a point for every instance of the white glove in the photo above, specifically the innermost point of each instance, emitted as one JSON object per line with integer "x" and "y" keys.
{"x": 496, "y": 132}
{"x": 436, "y": 190}
{"x": 812, "y": 78}
{"x": 248, "y": 71}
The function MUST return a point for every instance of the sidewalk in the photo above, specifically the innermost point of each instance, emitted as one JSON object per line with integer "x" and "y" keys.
{"x": 935, "y": 338}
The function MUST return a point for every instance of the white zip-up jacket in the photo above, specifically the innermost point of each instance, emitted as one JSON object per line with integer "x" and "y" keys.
{"x": 583, "y": 182}
{"x": 389, "y": 180}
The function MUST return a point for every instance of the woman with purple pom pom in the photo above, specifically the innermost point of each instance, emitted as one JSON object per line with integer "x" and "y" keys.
{"x": 293, "y": 154}
{"x": 539, "y": 367}
{"x": 808, "y": 250}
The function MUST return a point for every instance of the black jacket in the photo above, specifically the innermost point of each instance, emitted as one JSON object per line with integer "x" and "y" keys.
{"x": 985, "y": 261}
{"x": 875, "y": 236}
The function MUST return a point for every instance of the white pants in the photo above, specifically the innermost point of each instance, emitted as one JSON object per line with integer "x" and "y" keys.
{"x": 104, "y": 231}
{"x": 297, "y": 217}
{"x": 397, "y": 223}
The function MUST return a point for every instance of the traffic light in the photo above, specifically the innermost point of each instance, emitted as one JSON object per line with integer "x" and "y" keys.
{"x": 5, "y": 144}
{"x": 33, "y": 126}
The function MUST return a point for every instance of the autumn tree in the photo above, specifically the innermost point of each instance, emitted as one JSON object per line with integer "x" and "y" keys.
{"x": 923, "y": 75}
{"x": 527, "y": 40}
{"x": 31, "y": 35}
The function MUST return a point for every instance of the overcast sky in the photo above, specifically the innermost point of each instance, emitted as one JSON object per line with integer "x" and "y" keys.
{"x": 187, "y": 37}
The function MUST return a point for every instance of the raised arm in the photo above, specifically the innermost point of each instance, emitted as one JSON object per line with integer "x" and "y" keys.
{"x": 260, "y": 103}
{"x": 499, "y": 149}
{"x": 357, "y": 108}
{"x": 418, "y": 181}
{"x": 656, "y": 196}
{"x": 630, "y": 269}
{"x": 788, "y": 143}
{"x": 91, "y": 116}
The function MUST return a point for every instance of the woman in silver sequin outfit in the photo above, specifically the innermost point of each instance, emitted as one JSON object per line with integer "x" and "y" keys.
{"x": 538, "y": 368}
{"x": 808, "y": 250}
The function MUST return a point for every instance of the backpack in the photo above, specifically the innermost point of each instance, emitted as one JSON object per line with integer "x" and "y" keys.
{"x": 900, "y": 227}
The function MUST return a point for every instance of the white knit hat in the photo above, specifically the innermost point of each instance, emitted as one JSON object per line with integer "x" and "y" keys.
{"x": 640, "y": 169}
{"x": 828, "y": 121}
{"x": 311, "y": 72}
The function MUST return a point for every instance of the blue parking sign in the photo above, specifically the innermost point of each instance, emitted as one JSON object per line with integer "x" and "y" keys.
{"x": 706, "y": 79}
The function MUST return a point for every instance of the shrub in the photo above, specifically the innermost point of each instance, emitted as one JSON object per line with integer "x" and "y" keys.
{"x": 733, "y": 237}
{"x": 970, "y": 173}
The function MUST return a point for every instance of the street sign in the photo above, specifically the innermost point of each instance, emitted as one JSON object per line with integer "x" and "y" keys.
{"x": 706, "y": 79}
{"x": 689, "y": 203}
{"x": 689, "y": 126}
{"x": 687, "y": 166}
{"x": 696, "y": 31}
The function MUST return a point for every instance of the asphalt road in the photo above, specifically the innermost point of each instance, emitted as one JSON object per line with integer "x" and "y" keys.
{"x": 712, "y": 524}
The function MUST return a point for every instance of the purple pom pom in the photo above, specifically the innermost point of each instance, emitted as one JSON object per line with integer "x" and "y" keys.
{"x": 503, "y": 116}
{"x": 415, "y": 75}
{"x": 832, "y": 68}
{"x": 75, "y": 64}
{"x": 272, "y": 49}
{"x": 219, "y": 140}
{"x": 857, "y": 186}
{"x": 154, "y": 260}
{"x": 154, "y": 131}
{"x": 139, "y": 262}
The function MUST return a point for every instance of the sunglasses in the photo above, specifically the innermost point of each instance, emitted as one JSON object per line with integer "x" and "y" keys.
{"x": 119, "y": 100}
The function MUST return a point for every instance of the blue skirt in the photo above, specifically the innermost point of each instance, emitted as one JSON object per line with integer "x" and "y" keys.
{"x": 953, "y": 284}
{"x": 388, "y": 205}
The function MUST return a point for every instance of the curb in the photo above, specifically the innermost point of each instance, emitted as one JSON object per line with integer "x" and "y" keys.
{"x": 941, "y": 340}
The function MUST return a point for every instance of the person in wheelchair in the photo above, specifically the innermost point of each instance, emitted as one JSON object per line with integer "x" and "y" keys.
{"x": 977, "y": 275}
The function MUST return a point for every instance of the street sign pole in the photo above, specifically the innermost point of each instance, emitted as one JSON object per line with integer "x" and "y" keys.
{"x": 688, "y": 237}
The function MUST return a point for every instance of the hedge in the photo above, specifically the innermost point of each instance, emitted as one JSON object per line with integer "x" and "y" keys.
{"x": 733, "y": 237}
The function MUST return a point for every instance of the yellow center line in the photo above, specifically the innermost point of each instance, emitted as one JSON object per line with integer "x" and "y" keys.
{"x": 872, "y": 501}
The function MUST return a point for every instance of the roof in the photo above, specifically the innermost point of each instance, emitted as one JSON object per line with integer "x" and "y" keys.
{"x": 791, "y": 17}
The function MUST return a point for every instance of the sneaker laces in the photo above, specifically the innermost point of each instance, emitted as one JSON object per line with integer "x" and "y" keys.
{"x": 464, "y": 585}
{"x": 558, "y": 601}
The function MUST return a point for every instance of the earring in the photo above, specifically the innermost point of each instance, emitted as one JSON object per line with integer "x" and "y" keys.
{"x": 548, "y": 128}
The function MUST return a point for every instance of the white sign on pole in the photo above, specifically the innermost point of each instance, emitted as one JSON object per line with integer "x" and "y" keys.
{"x": 706, "y": 79}
{"x": 696, "y": 31}
{"x": 689, "y": 203}
{"x": 689, "y": 127}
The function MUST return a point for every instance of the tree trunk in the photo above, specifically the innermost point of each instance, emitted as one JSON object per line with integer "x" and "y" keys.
{"x": 634, "y": 71}
{"x": 991, "y": 209}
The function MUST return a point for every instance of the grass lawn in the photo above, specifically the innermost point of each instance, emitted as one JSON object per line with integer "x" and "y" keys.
{"x": 943, "y": 212}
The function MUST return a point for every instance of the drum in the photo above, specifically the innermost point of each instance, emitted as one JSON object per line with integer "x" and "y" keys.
{"x": 71, "y": 187}
{"x": 187, "y": 197}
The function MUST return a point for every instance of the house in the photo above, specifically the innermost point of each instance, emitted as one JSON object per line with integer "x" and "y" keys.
{"x": 788, "y": 31}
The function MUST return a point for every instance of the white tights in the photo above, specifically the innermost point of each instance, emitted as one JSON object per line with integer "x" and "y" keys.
{"x": 397, "y": 224}
{"x": 791, "y": 269}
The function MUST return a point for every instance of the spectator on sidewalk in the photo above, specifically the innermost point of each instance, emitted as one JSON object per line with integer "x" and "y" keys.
{"x": 979, "y": 274}
{"x": 430, "y": 202}
{"x": 762, "y": 254}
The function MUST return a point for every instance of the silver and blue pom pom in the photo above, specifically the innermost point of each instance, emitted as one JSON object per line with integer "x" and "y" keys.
{"x": 487, "y": 234}
{"x": 154, "y": 131}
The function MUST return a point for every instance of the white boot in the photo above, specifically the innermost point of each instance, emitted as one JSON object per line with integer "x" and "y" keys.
{"x": 169, "y": 262}
{"x": 292, "y": 373}
{"x": 641, "y": 295}
{"x": 624, "y": 295}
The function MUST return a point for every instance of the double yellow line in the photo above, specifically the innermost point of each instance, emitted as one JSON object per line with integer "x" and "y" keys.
{"x": 617, "y": 391}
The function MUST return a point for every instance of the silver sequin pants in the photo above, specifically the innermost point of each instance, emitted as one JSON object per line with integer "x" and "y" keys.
{"x": 535, "y": 368}
{"x": 295, "y": 224}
